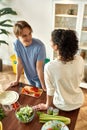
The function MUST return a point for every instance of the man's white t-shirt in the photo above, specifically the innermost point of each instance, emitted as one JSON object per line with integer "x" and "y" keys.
{"x": 62, "y": 82}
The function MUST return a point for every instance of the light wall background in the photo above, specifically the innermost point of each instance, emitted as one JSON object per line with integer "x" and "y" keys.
{"x": 38, "y": 13}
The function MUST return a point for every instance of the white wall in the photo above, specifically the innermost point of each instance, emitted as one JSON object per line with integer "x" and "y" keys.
{"x": 38, "y": 13}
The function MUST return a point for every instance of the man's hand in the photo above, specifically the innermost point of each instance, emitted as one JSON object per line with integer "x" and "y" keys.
{"x": 13, "y": 84}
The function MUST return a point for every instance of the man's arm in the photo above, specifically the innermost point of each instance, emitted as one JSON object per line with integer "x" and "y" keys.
{"x": 19, "y": 69}
{"x": 39, "y": 68}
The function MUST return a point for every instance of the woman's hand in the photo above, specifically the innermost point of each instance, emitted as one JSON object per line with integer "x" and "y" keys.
{"x": 40, "y": 106}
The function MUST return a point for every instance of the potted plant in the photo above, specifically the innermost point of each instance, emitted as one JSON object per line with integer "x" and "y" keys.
{"x": 4, "y": 24}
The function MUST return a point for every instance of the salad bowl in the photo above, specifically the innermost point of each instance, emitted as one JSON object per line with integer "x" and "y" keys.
{"x": 25, "y": 114}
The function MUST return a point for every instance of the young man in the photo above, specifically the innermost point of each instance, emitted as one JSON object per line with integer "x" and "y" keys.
{"x": 30, "y": 54}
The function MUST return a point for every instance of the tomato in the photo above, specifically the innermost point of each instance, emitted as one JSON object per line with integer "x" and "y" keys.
{"x": 25, "y": 91}
{"x": 34, "y": 89}
{"x": 15, "y": 105}
{"x": 49, "y": 129}
{"x": 36, "y": 94}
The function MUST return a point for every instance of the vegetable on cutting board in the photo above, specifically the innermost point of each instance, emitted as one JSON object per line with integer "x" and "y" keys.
{"x": 45, "y": 117}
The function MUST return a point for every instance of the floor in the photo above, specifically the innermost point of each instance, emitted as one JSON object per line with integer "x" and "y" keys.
{"x": 7, "y": 76}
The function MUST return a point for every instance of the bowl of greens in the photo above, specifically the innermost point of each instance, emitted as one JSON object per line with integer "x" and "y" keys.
{"x": 25, "y": 114}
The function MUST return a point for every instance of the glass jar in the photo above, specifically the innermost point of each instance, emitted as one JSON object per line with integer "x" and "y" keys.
{"x": 50, "y": 110}
{"x": 55, "y": 111}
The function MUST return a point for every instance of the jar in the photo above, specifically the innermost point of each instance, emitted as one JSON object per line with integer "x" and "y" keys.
{"x": 50, "y": 110}
{"x": 55, "y": 111}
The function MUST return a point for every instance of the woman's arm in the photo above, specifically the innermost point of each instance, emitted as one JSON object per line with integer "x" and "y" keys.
{"x": 50, "y": 91}
{"x": 43, "y": 106}
{"x": 49, "y": 101}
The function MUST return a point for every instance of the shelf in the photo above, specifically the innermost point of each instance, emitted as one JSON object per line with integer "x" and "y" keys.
{"x": 66, "y": 15}
{"x": 72, "y": 16}
{"x": 64, "y": 28}
{"x": 83, "y": 47}
{"x": 85, "y": 16}
{"x": 84, "y": 31}
{"x": 60, "y": 28}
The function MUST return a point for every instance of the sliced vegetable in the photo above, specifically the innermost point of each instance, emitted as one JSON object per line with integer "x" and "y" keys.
{"x": 15, "y": 105}
{"x": 34, "y": 89}
{"x": 24, "y": 114}
{"x": 36, "y": 94}
{"x": 45, "y": 117}
{"x": 25, "y": 91}
{"x": 50, "y": 129}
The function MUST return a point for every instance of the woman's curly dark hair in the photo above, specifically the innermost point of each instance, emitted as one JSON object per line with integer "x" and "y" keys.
{"x": 67, "y": 42}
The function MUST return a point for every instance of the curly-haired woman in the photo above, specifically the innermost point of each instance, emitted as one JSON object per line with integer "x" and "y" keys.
{"x": 64, "y": 74}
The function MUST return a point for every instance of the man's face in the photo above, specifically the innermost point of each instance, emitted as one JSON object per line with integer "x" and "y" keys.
{"x": 26, "y": 37}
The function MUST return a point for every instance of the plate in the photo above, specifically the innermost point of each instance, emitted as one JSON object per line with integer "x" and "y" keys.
{"x": 8, "y": 97}
{"x": 32, "y": 91}
{"x": 53, "y": 125}
{"x": 83, "y": 85}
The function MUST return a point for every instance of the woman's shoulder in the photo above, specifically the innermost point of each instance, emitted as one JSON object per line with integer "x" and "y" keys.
{"x": 79, "y": 58}
{"x": 50, "y": 64}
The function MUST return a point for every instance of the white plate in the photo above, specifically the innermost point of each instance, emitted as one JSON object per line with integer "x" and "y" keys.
{"x": 52, "y": 124}
{"x": 8, "y": 97}
{"x": 83, "y": 85}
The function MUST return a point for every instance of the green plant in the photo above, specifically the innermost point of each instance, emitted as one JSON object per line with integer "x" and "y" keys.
{"x": 2, "y": 114}
{"x": 5, "y": 24}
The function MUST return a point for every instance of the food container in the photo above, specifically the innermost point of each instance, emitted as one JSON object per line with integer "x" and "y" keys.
{"x": 50, "y": 110}
{"x": 11, "y": 107}
{"x": 25, "y": 114}
{"x": 55, "y": 111}
{"x": 1, "y": 126}
{"x": 14, "y": 63}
